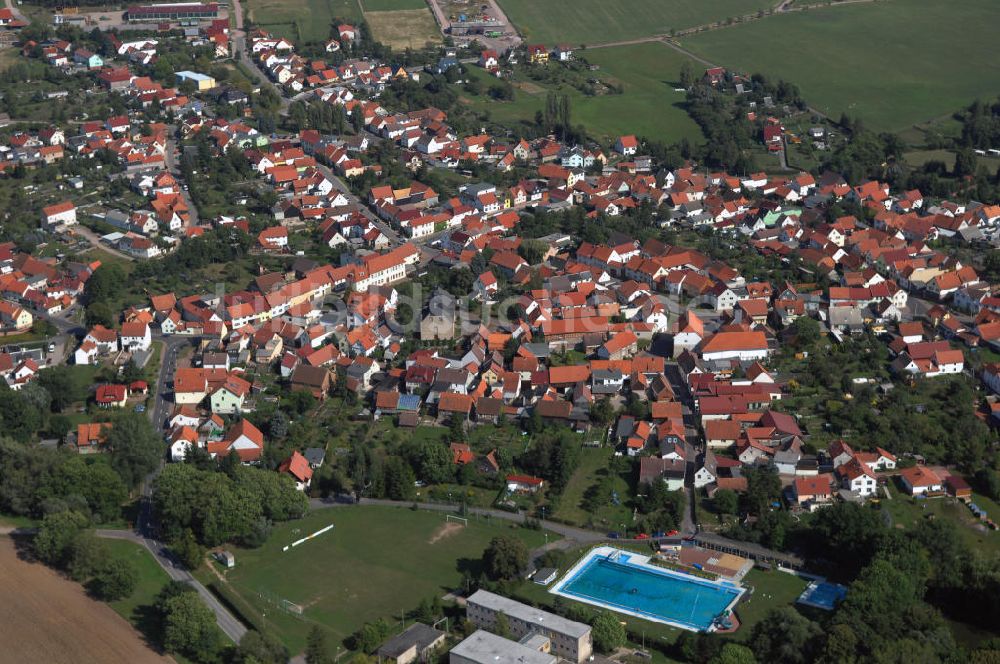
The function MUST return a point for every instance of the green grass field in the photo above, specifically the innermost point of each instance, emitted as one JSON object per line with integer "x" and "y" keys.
{"x": 906, "y": 512}
{"x": 375, "y": 563}
{"x": 592, "y": 461}
{"x": 308, "y": 20}
{"x": 893, "y": 63}
{"x": 137, "y": 609}
{"x": 392, "y": 5}
{"x": 771, "y": 590}
{"x": 602, "y": 21}
{"x": 648, "y": 105}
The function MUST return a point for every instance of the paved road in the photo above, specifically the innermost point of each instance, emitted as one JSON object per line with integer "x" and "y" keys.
{"x": 241, "y": 46}
{"x": 95, "y": 241}
{"x": 342, "y": 187}
{"x": 145, "y": 532}
{"x": 170, "y": 159}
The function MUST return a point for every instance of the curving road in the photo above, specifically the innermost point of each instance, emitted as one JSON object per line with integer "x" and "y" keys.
{"x": 228, "y": 623}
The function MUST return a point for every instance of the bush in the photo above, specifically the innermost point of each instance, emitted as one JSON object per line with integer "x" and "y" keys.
{"x": 115, "y": 580}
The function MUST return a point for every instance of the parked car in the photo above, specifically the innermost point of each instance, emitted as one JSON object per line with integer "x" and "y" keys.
{"x": 642, "y": 536}
{"x": 613, "y": 535}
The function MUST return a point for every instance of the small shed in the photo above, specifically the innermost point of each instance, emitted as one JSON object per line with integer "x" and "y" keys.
{"x": 226, "y": 558}
{"x": 545, "y": 576}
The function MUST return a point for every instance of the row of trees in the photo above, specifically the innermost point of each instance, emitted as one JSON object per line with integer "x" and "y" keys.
{"x": 237, "y": 505}
{"x": 64, "y": 542}
{"x": 36, "y": 481}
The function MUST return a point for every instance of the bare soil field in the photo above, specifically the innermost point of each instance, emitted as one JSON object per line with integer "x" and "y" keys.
{"x": 404, "y": 28}
{"x": 49, "y": 619}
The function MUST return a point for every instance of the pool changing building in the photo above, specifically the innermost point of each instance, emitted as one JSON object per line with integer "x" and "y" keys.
{"x": 569, "y": 639}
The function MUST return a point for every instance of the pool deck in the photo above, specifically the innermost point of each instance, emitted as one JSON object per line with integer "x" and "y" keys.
{"x": 642, "y": 562}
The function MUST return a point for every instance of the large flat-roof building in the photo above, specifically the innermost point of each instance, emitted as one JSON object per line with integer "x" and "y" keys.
{"x": 570, "y": 640}
{"x": 201, "y": 81}
{"x": 482, "y": 647}
{"x": 172, "y": 12}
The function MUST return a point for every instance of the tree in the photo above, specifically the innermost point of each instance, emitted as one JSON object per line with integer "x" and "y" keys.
{"x": 89, "y": 553}
{"x": 399, "y": 479}
{"x": 726, "y": 501}
{"x": 687, "y": 75}
{"x": 135, "y": 447}
{"x": 57, "y": 535}
{"x": 188, "y": 626}
{"x": 763, "y": 488}
{"x": 608, "y": 632}
{"x": 256, "y": 648}
{"x": 502, "y": 625}
{"x": 115, "y": 580}
{"x": 602, "y": 412}
{"x": 504, "y": 558}
{"x": 734, "y": 653}
{"x": 785, "y": 636}
{"x": 317, "y": 649}
{"x": 370, "y": 636}
{"x": 188, "y": 551}
{"x": 277, "y": 426}
{"x": 431, "y": 460}
{"x": 806, "y": 331}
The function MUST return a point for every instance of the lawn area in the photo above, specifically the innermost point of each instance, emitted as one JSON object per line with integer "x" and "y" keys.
{"x": 305, "y": 20}
{"x": 772, "y": 589}
{"x": 648, "y": 105}
{"x": 844, "y": 59}
{"x": 906, "y": 512}
{"x": 918, "y": 158}
{"x": 151, "y": 579}
{"x": 375, "y": 563}
{"x": 404, "y": 28}
{"x": 601, "y": 21}
{"x": 594, "y": 461}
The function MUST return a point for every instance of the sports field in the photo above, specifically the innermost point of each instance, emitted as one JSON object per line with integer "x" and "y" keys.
{"x": 403, "y": 28}
{"x": 648, "y": 106}
{"x": 375, "y": 563}
{"x": 308, "y": 20}
{"x": 600, "y": 21}
{"x": 893, "y": 63}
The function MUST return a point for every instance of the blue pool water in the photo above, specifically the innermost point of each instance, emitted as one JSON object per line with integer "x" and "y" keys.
{"x": 663, "y": 596}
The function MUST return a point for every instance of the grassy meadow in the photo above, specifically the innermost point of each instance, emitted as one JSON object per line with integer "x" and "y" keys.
{"x": 894, "y": 63}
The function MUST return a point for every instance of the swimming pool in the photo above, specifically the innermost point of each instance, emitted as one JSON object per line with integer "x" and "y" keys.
{"x": 627, "y": 583}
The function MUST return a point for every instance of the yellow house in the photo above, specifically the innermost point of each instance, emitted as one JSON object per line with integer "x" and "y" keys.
{"x": 14, "y": 317}
{"x": 538, "y": 54}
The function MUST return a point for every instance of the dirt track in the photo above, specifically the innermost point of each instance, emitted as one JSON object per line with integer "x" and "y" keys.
{"x": 49, "y": 619}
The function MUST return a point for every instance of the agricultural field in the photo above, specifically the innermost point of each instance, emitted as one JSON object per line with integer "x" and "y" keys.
{"x": 403, "y": 28}
{"x": 602, "y": 21}
{"x": 301, "y": 20}
{"x": 392, "y": 5}
{"x": 48, "y": 618}
{"x": 648, "y": 105}
{"x": 356, "y": 572}
{"x": 937, "y": 57}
